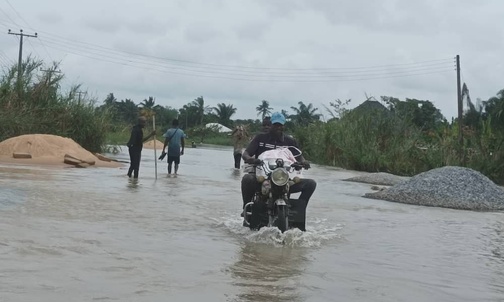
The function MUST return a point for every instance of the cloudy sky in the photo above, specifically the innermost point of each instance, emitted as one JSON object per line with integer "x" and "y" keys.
{"x": 241, "y": 52}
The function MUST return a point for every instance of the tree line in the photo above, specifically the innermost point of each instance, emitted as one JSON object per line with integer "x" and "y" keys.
{"x": 196, "y": 113}
{"x": 385, "y": 134}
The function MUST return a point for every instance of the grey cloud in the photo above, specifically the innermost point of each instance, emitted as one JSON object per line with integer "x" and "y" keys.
{"x": 52, "y": 18}
{"x": 282, "y": 9}
{"x": 151, "y": 26}
{"x": 407, "y": 17}
{"x": 287, "y": 34}
{"x": 201, "y": 32}
{"x": 252, "y": 30}
{"x": 101, "y": 24}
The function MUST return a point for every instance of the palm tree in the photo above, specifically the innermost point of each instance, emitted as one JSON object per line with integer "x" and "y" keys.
{"x": 304, "y": 115}
{"x": 224, "y": 113}
{"x": 264, "y": 109}
{"x": 494, "y": 109}
{"x": 285, "y": 113}
{"x": 110, "y": 100}
{"x": 148, "y": 103}
{"x": 201, "y": 109}
{"x": 128, "y": 110}
{"x": 148, "y": 107}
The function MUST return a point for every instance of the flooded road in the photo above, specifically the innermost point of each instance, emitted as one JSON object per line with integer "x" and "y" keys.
{"x": 95, "y": 235}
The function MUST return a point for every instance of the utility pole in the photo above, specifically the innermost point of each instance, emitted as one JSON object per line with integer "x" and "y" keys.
{"x": 460, "y": 110}
{"x": 20, "y": 59}
{"x": 79, "y": 93}
{"x": 49, "y": 73}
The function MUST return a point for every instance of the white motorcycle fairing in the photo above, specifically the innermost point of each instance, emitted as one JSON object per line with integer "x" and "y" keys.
{"x": 269, "y": 159}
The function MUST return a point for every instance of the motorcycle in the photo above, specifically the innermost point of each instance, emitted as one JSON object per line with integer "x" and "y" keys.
{"x": 271, "y": 205}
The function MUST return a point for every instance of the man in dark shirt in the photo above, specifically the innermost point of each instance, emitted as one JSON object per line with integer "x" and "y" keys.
{"x": 267, "y": 141}
{"x": 135, "y": 145}
{"x": 265, "y": 127}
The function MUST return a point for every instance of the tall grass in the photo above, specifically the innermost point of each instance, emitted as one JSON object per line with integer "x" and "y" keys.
{"x": 40, "y": 107}
{"x": 377, "y": 142}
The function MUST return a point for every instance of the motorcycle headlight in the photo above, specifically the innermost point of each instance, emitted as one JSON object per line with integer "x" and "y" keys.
{"x": 280, "y": 176}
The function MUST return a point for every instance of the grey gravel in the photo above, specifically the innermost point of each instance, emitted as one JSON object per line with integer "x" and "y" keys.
{"x": 380, "y": 178}
{"x": 448, "y": 187}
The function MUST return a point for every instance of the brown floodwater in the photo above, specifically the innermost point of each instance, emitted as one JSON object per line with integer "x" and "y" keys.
{"x": 95, "y": 235}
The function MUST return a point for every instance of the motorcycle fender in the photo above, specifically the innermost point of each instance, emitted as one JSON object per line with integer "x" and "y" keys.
{"x": 280, "y": 202}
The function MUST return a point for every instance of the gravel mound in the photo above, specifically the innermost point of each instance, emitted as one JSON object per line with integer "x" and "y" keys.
{"x": 448, "y": 187}
{"x": 383, "y": 179}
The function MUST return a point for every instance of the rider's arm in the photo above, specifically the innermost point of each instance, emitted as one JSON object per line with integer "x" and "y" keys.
{"x": 251, "y": 150}
{"x": 246, "y": 157}
{"x": 300, "y": 159}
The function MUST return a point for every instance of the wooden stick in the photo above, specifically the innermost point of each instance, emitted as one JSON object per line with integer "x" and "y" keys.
{"x": 154, "y": 138}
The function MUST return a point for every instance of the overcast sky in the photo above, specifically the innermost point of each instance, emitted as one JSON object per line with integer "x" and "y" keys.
{"x": 241, "y": 52}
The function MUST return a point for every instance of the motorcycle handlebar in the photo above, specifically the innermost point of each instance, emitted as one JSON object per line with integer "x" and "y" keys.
{"x": 297, "y": 166}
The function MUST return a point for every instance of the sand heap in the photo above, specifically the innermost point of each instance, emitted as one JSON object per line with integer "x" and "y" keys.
{"x": 150, "y": 145}
{"x": 48, "y": 149}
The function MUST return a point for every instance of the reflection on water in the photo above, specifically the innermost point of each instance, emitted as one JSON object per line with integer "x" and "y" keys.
{"x": 11, "y": 197}
{"x": 95, "y": 234}
{"x": 236, "y": 174}
{"x": 495, "y": 257}
{"x": 268, "y": 273}
{"x": 133, "y": 184}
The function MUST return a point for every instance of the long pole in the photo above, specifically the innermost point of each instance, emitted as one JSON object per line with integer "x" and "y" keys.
{"x": 80, "y": 93}
{"x": 49, "y": 73}
{"x": 20, "y": 59}
{"x": 460, "y": 112}
{"x": 154, "y": 138}
{"x": 459, "y": 102}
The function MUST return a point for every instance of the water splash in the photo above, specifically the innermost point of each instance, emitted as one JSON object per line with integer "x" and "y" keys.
{"x": 319, "y": 231}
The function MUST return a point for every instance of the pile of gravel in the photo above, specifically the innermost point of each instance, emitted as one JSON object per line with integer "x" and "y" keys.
{"x": 383, "y": 179}
{"x": 448, "y": 187}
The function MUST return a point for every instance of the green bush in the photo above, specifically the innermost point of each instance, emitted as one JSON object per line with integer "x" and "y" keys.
{"x": 41, "y": 108}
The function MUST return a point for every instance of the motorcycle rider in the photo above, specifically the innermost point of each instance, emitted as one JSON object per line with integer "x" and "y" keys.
{"x": 267, "y": 141}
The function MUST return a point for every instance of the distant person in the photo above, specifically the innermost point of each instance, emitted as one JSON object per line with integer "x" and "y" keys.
{"x": 266, "y": 124}
{"x": 135, "y": 145}
{"x": 265, "y": 128}
{"x": 240, "y": 138}
{"x": 174, "y": 139}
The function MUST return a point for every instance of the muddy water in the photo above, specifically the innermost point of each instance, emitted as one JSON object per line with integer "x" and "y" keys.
{"x": 95, "y": 235}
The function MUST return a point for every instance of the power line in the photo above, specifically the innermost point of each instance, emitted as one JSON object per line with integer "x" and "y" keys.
{"x": 6, "y": 58}
{"x": 8, "y": 17}
{"x": 12, "y": 7}
{"x": 165, "y": 70}
{"x": 30, "y": 27}
{"x": 56, "y": 39}
{"x": 236, "y": 72}
{"x": 128, "y": 61}
{"x": 19, "y": 71}
{"x": 49, "y": 73}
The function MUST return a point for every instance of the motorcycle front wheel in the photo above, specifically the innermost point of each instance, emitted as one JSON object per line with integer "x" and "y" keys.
{"x": 282, "y": 218}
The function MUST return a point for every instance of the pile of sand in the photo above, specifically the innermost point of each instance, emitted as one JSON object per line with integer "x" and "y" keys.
{"x": 47, "y": 149}
{"x": 150, "y": 145}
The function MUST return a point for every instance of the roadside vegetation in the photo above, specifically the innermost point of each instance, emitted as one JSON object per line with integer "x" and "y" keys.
{"x": 380, "y": 135}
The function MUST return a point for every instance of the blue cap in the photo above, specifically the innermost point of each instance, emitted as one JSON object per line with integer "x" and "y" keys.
{"x": 277, "y": 117}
